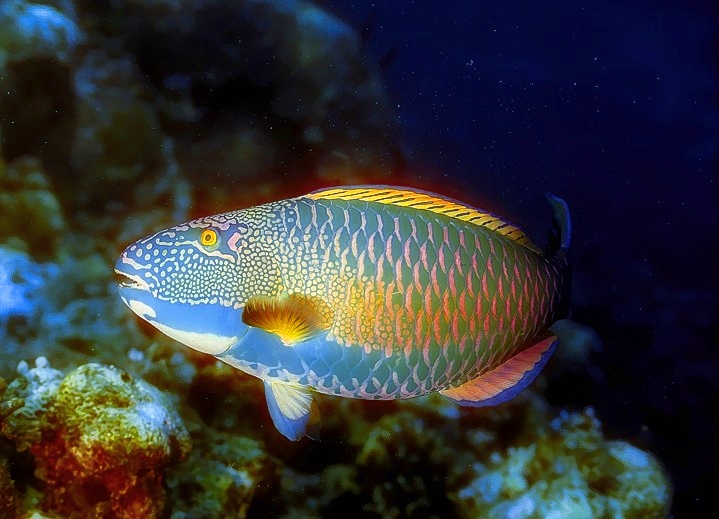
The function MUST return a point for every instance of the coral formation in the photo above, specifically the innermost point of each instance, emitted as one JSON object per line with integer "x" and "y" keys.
{"x": 220, "y": 477}
{"x": 143, "y": 107}
{"x": 26, "y": 197}
{"x": 9, "y": 496}
{"x": 568, "y": 470}
{"x": 118, "y": 141}
{"x": 37, "y": 30}
{"x": 285, "y": 76}
{"x": 21, "y": 283}
{"x": 99, "y": 438}
{"x": 516, "y": 461}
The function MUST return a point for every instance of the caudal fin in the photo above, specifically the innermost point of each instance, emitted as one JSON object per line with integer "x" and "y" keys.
{"x": 558, "y": 249}
{"x": 561, "y": 237}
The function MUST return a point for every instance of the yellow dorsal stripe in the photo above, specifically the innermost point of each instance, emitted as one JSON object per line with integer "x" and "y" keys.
{"x": 405, "y": 197}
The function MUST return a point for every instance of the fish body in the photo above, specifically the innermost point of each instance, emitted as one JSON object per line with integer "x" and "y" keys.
{"x": 362, "y": 292}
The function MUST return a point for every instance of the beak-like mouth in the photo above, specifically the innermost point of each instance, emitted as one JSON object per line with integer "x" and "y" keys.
{"x": 125, "y": 280}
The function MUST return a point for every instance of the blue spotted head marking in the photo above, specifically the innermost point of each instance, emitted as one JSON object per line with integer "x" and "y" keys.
{"x": 191, "y": 281}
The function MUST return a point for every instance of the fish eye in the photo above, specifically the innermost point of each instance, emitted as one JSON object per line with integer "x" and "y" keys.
{"x": 209, "y": 239}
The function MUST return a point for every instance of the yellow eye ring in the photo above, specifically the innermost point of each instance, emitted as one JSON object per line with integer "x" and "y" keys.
{"x": 208, "y": 238}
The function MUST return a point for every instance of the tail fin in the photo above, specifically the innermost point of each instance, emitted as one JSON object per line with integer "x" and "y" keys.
{"x": 562, "y": 233}
{"x": 559, "y": 242}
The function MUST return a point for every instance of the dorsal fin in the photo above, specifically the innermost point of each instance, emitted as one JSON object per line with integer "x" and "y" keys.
{"x": 422, "y": 200}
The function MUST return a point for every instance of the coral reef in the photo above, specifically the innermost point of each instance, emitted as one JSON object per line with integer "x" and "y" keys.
{"x": 37, "y": 30}
{"x": 9, "y": 496}
{"x": 220, "y": 477}
{"x": 173, "y": 107}
{"x": 99, "y": 438}
{"x": 118, "y": 139}
{"x": 277, "y": 84}
{"x": 516, "y": 461}
{"x": 38, "y": 41}
{"x": 215, "y": 92}
{"x": 26, "y": 198}
{"x": 568, "y": 470}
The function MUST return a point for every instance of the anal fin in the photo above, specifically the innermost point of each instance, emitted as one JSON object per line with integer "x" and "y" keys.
{"x": 293, "y": 410}
{"x": 506, "y": 380}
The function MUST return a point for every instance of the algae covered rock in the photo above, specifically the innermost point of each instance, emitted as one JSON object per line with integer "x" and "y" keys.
{"x": 30, "y": 214}
{"x": 220, "y": 477}
{"x": 100, "y": 439}
{"x": 568, "y": 471}
{"x": 9, "y": 496}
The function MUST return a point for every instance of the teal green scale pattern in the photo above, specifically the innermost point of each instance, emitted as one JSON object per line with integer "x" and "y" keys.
{"x": 365, "y": 260}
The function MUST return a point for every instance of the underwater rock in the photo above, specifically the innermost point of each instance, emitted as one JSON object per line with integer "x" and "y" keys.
{"x": 568, "y": 471}
{"x": 521, "y": 459}
{"x": 118, "y": 143}
{"x": 99, "y": 437}
{"x": 30, "y": 30}
{"x": 30, "y": 215}
{"x": 284, "y": 85}
{"x": 9, "y": 496}
{"x": 21, "y": 283}
{"x": 37, "y": 44}
{"x": 219, "y": 478}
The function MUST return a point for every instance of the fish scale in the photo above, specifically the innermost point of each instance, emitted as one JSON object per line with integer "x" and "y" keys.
{"x": 364, "y": 292}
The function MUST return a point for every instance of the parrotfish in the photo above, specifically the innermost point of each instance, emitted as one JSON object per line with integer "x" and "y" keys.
{"x": 370, "y": 292}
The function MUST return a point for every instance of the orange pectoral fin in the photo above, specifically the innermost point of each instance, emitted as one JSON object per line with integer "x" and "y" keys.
{"x": 506, "y": 380}
{"x": 292, "y": 317}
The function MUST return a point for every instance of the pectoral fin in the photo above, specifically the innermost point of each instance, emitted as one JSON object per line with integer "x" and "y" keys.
{"x": 292, "y": 317}
{"x": 292, "y": 409}
{"x": 506, "y": 380}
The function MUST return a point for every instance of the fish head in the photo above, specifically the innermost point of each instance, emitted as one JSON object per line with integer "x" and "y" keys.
{"x": 185, "y": 281}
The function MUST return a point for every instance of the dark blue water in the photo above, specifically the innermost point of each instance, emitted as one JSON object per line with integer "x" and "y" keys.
{"x": 613, "y": 105}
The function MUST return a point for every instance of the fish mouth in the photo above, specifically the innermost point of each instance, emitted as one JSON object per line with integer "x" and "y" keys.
{"x": 125, "y": 280}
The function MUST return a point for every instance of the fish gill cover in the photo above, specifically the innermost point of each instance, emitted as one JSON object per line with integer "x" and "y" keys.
{"x": 121, "y": 118}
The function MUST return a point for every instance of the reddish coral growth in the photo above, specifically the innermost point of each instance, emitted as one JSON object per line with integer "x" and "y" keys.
{"x": 102, "y": 439}
{"x": 74, "y": 490}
